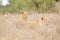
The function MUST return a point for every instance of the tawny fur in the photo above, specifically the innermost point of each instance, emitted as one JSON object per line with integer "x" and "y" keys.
{"x": 23, "y": 16}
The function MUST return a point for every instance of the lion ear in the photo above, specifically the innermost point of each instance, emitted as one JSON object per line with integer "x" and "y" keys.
{"x": 22, "y": 12}
{"x": 56, "y": 0}
{"x": 42, "y": 18}
{"x": 7, "y": 13}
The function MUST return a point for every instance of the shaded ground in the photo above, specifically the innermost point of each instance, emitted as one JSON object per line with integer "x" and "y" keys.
{"x": 30, "y": 27}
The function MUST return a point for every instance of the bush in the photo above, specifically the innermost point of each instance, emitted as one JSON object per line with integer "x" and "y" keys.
{"x": 20, "y": 5}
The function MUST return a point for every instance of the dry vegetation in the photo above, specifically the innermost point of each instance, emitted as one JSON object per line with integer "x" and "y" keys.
{"x": 36, "y": 24}
{"x": 30, "y": 26}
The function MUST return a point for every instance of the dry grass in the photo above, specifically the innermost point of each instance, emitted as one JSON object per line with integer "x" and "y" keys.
{"x": 30, "y": 26}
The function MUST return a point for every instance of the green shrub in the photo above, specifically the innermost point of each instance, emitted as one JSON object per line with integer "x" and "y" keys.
{"x": 18, "y": 5}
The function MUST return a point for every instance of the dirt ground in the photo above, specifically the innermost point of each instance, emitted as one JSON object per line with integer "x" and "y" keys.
{"x": 30, "y": 27}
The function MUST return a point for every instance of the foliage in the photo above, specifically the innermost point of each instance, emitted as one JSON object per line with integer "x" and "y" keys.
{"x": 20, "y": 5}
